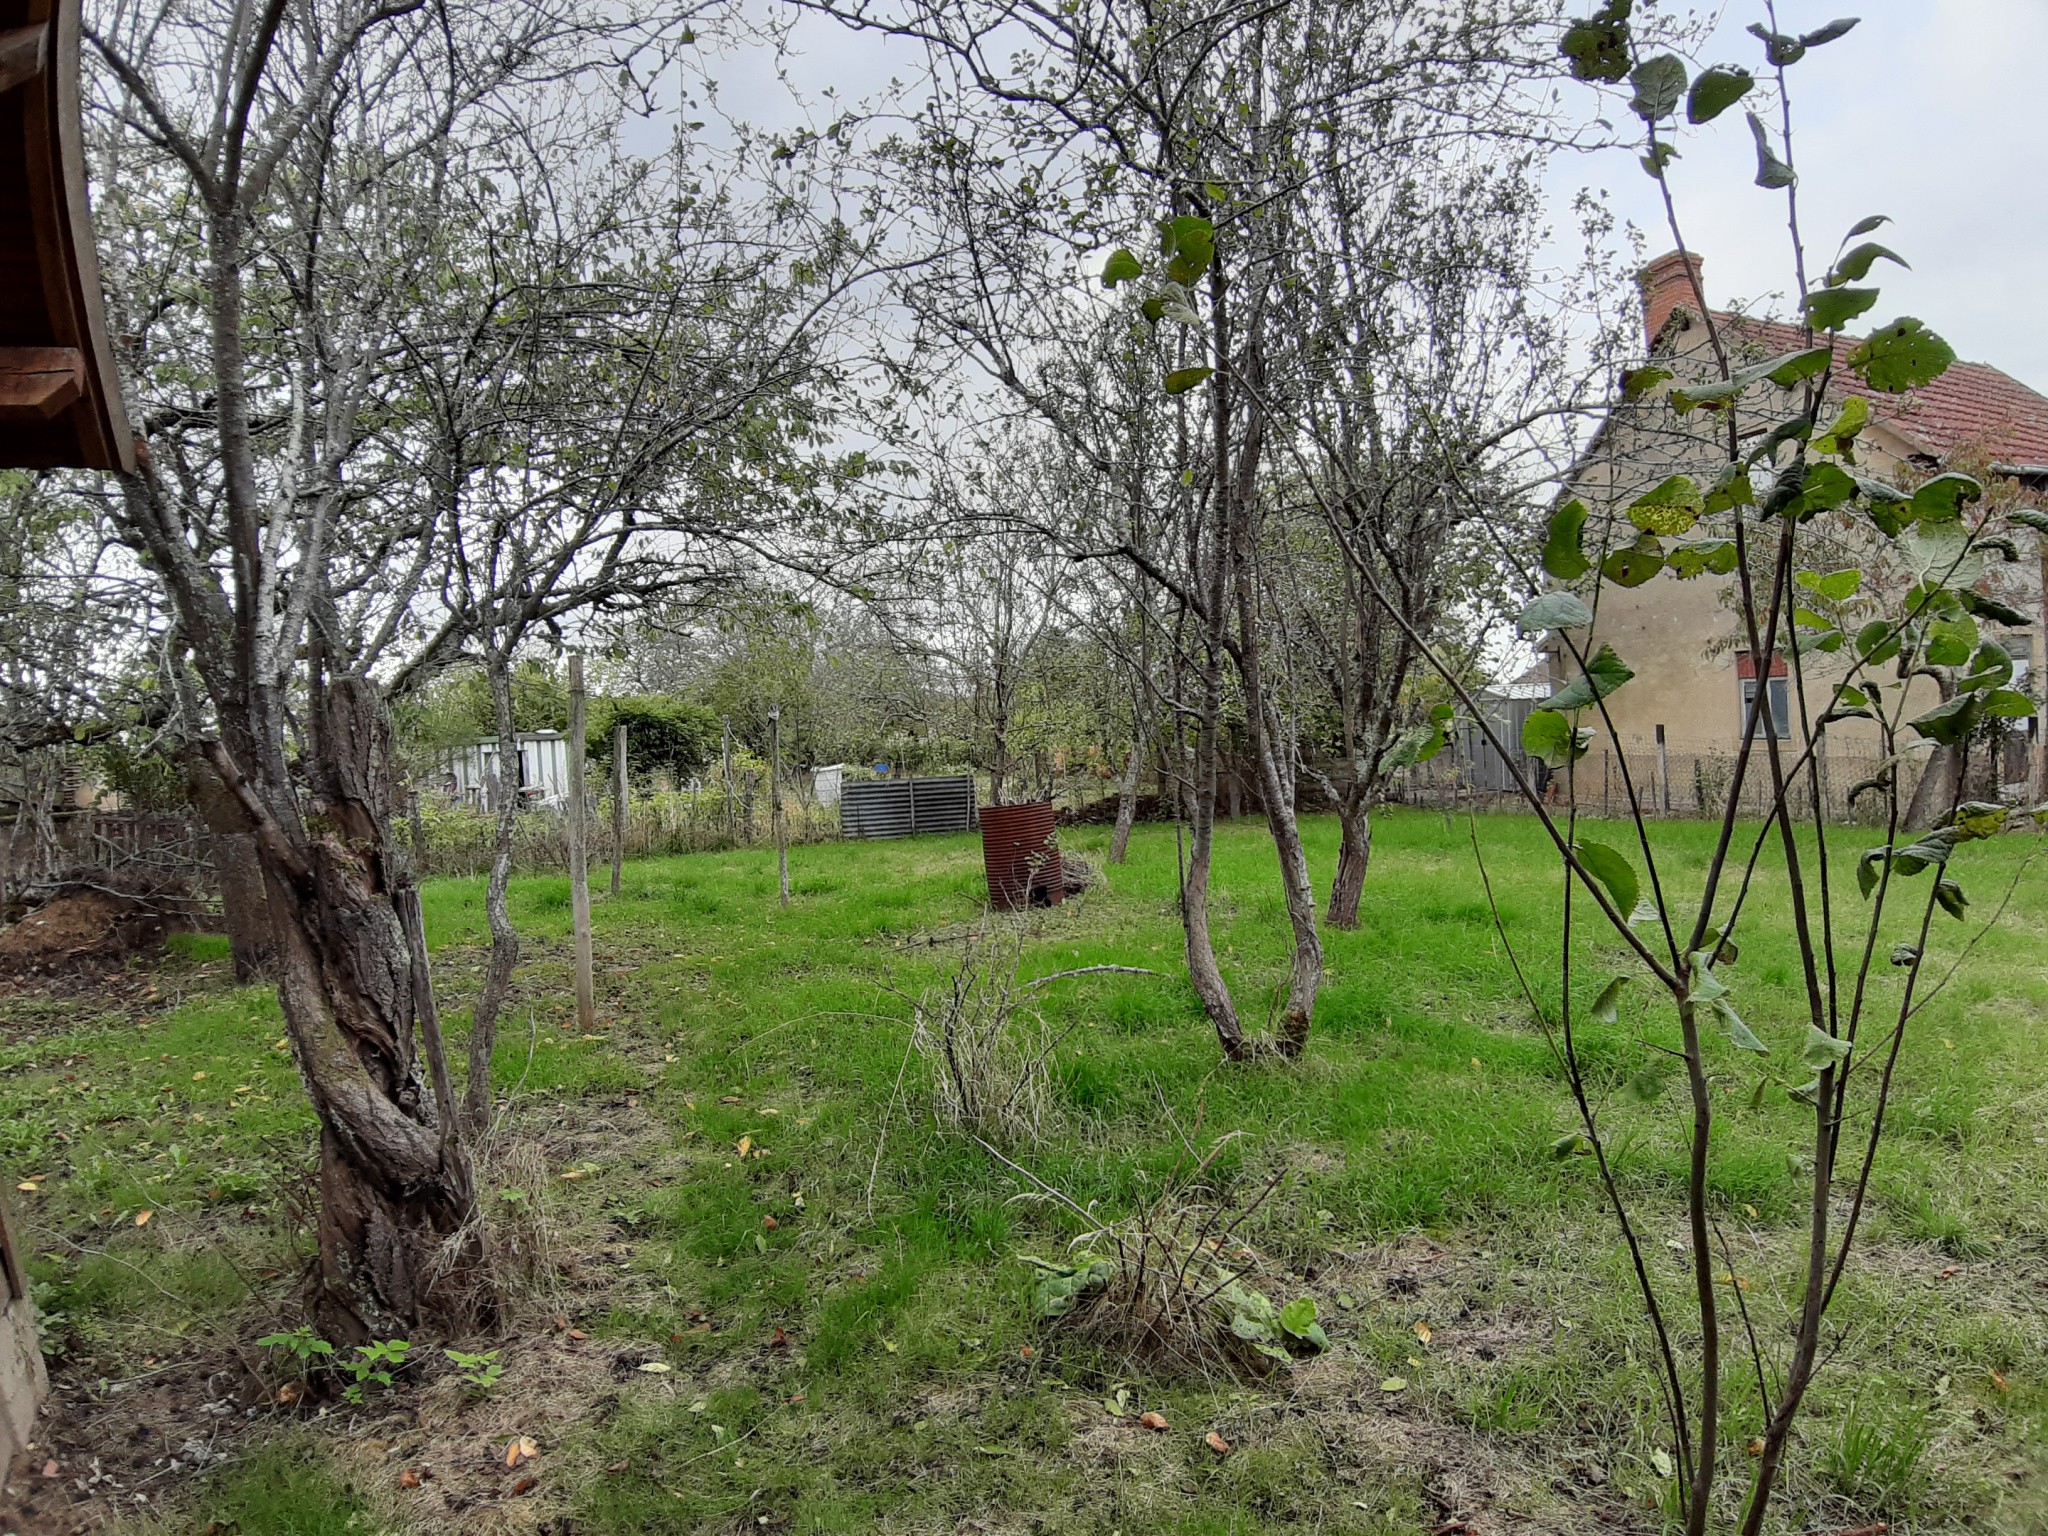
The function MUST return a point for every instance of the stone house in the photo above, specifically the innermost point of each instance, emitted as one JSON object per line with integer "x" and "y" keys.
{"x": 1681, "y": 720}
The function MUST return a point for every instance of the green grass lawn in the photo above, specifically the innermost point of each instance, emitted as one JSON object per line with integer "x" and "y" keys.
{"x": 844, "y": 1310}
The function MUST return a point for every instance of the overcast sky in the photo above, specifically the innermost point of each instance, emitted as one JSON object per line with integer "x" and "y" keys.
{"x": 1931, "y": 111}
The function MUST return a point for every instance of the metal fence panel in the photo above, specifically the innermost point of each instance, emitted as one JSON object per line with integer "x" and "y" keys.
{"x": 904, "y": 807}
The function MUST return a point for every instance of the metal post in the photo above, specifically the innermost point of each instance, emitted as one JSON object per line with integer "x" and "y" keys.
{"x": 725, "y": 756}
{"x": 579, "y": 867}
{"x": 618, "y": 804}
{"x": 775, "y": 799}
{"x": 1663, "y": 774}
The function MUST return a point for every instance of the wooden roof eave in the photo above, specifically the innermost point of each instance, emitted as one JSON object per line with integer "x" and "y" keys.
{"x": 60, "y": 395}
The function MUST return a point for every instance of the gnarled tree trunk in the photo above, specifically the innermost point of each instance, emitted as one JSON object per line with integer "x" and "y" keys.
{"x": 1127, "y": 802}
{"x": 399, "y": 1247}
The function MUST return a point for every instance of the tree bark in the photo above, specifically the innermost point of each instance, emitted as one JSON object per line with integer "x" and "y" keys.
{"x": 245, "y": 912}
{"x": 1354, "y": 856}
{"x": 1935, "y": 792}
{"x": 399, "y": 1248}
{"x": 1127, "y": 801}
{"x": 1204, "y": 973}
{"x": 490, "y": 1002}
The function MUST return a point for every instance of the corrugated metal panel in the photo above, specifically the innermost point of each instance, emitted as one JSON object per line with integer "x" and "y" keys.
{"x": 901, "y": 807}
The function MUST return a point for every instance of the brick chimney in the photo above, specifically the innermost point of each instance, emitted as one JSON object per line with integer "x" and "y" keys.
{"x": 1667, "y": 283}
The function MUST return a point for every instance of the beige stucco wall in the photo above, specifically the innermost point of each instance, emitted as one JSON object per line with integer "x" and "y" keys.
{"x": 1682, "y": 638}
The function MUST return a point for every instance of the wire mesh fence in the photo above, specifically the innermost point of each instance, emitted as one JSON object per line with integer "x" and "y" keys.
{"x": 1672, "y": 780}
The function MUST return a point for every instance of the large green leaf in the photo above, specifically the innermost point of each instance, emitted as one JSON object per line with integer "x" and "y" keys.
{"x": 1824, "y": 1050}
{"x": 1857, "y": 261}
{"x": 1739, "y": 1034}
{"x": 1950, "y": 641}
{"x": 1564, "y": 554}
{"x": 1821, "y": 487}
{"x": 1771, "y": 172}
{"x": 1943, "y": 498}
{"x": 1634, "y": 564}
{"x": 1554, "y": 610}
{"x": 1181, "y": 380}
{"x": 1902, "y": 356}
{"x": 2008, "y": 704}
{"x": 1949, "y": 722}
{"x": 1121, "y": 267}
{"x": 1669, "y": 508}
{"x": 1420, "y": 744}
{"x": 1606, "y": 1007}
{"x": 1550, "y": 737}
{"x": 1659, "y": 83}
{"x": 1835, "y": 586}
{"x": 1841, "y": 434}
{"x": 1696, "y": 557}
{"x": 1606, "y": 865}
{"x": 1829, "y": 309}
{"x": 1598, "y": 45}
{"x": 1605, "y": 672}
{"x": 1715, "y": 91}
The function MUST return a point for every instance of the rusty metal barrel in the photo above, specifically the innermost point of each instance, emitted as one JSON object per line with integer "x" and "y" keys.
{"x": 1021, "y": 856}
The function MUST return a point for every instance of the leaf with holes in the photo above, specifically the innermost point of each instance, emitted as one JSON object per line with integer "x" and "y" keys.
{"x": 1698, "y": 557}
{"x": 1835, "y": 586}
{"x": 1598, "y": 46}
{"x": 1942, "y": 499}
{"x": 1902, "y": 356}
{"x": 1669, "y": 508}
{"x": 1634, "y": 564}
{"x": 1829, "y": 309}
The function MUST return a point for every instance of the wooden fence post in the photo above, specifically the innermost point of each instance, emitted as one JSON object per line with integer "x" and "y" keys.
{"x": 618, "y": 804}
{"x": 725, "y": 756}
{"x": 579, "y": 866}
{"x": 775, "y": 799}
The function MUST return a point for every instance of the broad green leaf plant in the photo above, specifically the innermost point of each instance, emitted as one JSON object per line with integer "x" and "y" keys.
{"x": 1771, "y": 517}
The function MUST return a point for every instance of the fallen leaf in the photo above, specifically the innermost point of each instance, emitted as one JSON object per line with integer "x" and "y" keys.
{"x": 706, "y": 1328}
{"x": 27, "y": 1184}
{"x": 524, "y": 1449}
{"x": 49, "y": 1469}
{"x": 889, "y": 1345}
{"x": 1953, "y": 1269}
{"x": 408, "y": 1478}
{"x": 1422, "y": 1332}
{"x": 1478, "y": 1063}
{"x": 1998, "y": 1380}
{"x": 524, "y": 1486}
{"x": 1394, "y": 1384}
{"x": 1414, "y": 1364}
{"x": 618, "y": 1466}
{"x": 1755, "y": 1446}
{"x": 1025, "y": 1352}
{"x": 289, "y": 1392}
{"x": 1217, "y": 1443}
{"x": 778, "y": 1340}
{"x": 142, "y": 1218}
{"x": 657, "y": 1367}
{"x": 577, "y": 1333}
{"x": 796, "y": 1398}
{"x": 731, "y": 1098}
{"x": 746, "y": 1144}
{"x": 198, "y": 1077}
{"x": 1155, "y": 1420}
{"x": 769, "y": 1222}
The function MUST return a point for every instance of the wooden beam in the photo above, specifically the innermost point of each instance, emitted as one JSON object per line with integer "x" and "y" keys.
{"x": 38, "y": 382}
{"x": 24, "y": 54}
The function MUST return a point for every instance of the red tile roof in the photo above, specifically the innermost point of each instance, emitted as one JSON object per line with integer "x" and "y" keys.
{"x": 1972, "y": 405}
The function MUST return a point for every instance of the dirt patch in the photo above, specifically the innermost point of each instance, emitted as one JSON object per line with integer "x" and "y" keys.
{"x": 90, "y": 920}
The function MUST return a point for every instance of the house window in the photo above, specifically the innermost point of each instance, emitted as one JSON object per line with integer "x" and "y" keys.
{"x": 1777, "y": 720}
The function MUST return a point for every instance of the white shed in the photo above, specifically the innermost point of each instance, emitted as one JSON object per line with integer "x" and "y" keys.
{"x": 469, "y": 775}
{"x": 825, "y": 783}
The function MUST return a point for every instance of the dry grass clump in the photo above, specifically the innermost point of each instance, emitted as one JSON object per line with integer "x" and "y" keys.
{"x": 988, "y": 1045}
{"x": 1170, "y": 1286}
